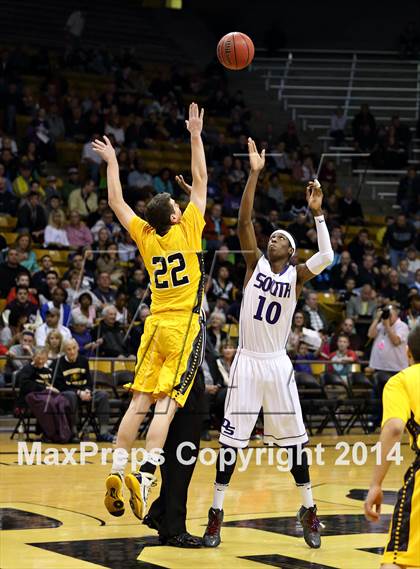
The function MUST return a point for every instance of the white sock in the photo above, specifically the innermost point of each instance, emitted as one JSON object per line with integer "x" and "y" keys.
{"x": 219, "y": 495}
{"x": 119, "y": 461}
{"x": 306, "y": 493}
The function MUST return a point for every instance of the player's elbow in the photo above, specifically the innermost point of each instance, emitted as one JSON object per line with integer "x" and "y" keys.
{"x": 329, "y": 257}
{"x": 394, "y": 428}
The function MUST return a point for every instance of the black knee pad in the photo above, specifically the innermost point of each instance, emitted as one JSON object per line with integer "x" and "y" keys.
{"x": 300, "y": 468}
{"x": 225, "y": 467}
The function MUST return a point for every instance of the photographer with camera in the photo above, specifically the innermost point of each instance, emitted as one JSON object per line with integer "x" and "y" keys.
{"x": 389, "y": 350}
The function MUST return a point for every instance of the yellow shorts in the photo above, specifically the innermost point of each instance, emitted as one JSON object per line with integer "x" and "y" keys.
{"x": 403, "y": 546}
{"x": 170, "y": 353}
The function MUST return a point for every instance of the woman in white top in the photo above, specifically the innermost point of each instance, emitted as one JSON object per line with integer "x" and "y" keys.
{"x": 55, "y": 235}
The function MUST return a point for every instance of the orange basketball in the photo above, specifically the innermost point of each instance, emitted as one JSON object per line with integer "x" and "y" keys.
{"x": 235, "y": 50}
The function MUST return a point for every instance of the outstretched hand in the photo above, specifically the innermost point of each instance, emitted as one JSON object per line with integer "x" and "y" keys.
{"x": 257, "y": 161}
{"x": 105, "y": 149}
{"x": 183, "y": 184}
{"x": 314, "y": 196}
{"x": 195, "y": 119}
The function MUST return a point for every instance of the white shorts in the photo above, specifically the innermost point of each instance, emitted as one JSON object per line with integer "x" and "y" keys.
{"x": 262, "y": 380}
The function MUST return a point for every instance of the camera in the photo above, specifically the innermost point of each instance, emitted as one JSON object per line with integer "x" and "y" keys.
{"x": 386, "y": 313}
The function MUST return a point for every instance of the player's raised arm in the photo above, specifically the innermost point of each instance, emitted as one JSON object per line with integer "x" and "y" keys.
{"x": 198, "y": 158}
{"x": 246, "y": 231}
{"x": 116, "y": 201}
{"x": 325, "y": 256}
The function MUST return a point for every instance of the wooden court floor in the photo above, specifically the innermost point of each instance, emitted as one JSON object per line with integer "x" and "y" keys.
{"x": 53, "y": 516}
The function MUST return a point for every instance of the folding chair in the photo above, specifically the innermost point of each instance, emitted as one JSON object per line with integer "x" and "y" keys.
{"x": 363, "y": 394}
{"x": 317, "y": 409}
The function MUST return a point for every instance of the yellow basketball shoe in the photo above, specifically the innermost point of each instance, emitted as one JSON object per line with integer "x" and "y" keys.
{"x": 114, "y": 499}
{"x": 139, "y": 484}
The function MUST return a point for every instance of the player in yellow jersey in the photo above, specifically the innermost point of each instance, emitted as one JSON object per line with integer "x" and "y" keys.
{"x": 401, "y": 399}
{"x": 173, "y": 340}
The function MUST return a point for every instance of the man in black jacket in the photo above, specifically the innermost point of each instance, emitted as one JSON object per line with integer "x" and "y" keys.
{"x": 31, "y": 216}
{"x": 112, "y": 334}
{"x": 9, "y": 271}
{"x": 73, "y": 380}
{"x": 35, "y": 376}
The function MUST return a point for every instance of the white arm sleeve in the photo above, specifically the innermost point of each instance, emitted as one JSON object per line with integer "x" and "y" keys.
{"x": 325, "y": 256}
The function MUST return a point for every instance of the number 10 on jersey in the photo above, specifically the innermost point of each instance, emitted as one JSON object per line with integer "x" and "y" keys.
{"x": 271, "y": 314}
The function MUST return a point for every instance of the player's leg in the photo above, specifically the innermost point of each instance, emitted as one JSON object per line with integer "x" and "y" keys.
{"x": 127, "y": 434}
{"x": 243, "y": 404}
{"x": 180, "y": 345}
{"x": 284, "y": 427}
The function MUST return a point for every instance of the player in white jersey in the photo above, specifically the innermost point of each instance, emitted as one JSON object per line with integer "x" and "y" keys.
{"x": 262, "y": 373}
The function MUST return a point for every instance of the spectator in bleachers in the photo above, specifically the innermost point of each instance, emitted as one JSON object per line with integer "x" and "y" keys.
{"x": 112, "y": 333}
{"x": 162, "y": 182}
{"x": 362, "y": 118}
{"x": 45, "y": 290}
{"x": 302, "y": 355}
{"x": 408, "y": 189}
{"x": 72, "y": 183}
{"x": 346, "y": 268}
{"x": 72, "y": 286}
{"x": 139, "y": 177}
{"x": 362, "y": 306}
{"x": 23, "y": 279}
{"x": 25, "y": 348}
{"x": 8, "y": 202}
{"x": 54, "y": 346}
{"x": 348, "y": 291}
{"x": 395, "y": 291}
{"x": 338, "y": 126}
{"x": 74, "y": 381}
{"x": 343, "y": 357}
{"x": 350, "y": 208}
{"x": 58, "y": 301}
{"x": 411, "y": 316}
{"x": 85, "y": 199}
{"x": 85, "y": 307}
{"x": 328, "y": 176}
{"x": 91, "y": 160}
{"x": 78, "y": 234}
{"x": 52, "y": 318}
{"x": 301, "y": 231}
{"x": 103, "y": 291}
{"x": 275, "y": 192}
{"x": 80, "y": 330}
{"x": 299, "y": 333}
{"x": 9, "y": 271}
{"x": 347, "y": 328}
{"x": 22, "y": 182}
{"x": 27, "y": 257}
{"x": 215, "y": 332}
{"x": 368, "y": 272}
{"x": 314, "y": 318}
{"x": 55, "y": 122}
{"x": 221, "y": 287}
{"x": 398, "y": 237}
{"x": 55, "y": 236}
{"x": 108, "y": 222}
{"x": 108, "y": 262}
{"x": 405, "y": 276}
{"x": 215, "y": 230}
{"x": 413, "y": 259}
{"x": 31, "y": 217}
{"x": 22, "y": 305}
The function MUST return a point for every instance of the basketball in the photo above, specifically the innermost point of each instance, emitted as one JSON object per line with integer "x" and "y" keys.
{"x": 235, "y": 51}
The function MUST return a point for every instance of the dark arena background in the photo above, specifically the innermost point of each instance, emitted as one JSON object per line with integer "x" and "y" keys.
{"x": 333, "y": 93}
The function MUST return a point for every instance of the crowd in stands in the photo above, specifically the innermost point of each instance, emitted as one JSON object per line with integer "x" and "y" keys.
{"x": 100, "y": 297}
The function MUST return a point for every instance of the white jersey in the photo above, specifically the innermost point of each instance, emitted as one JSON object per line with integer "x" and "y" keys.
{"x": 267, "y": 310}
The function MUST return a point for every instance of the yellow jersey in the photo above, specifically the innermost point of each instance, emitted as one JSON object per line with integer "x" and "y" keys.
{"x": 401, "y": 400}
{"x": 174, "y": 262}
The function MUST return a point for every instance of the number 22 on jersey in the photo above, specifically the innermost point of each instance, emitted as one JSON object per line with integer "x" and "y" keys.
{"x": 168, "y": 269}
